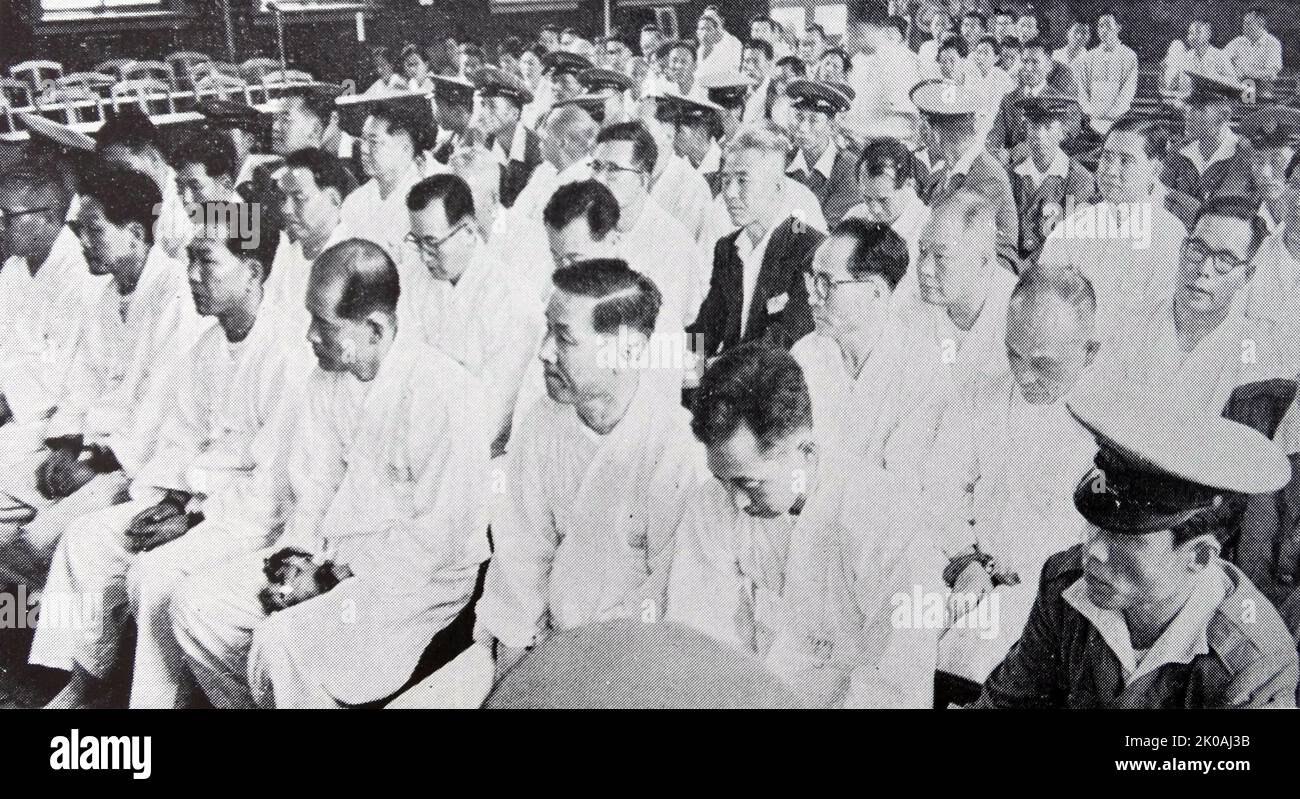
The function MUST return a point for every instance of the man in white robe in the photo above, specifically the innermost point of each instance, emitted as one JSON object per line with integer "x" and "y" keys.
{"x": 856, "y": 360}
{"x": 389, "y": 477}
{"x": 44, "y": 287}
{"x": 473, "y": 310}
{"x": 796, "y": 555}
{"x": 233, "y": 385}
{"x": 1210, "y": 338}
{"x": 315, "y": 184}
{"x": 1127, "y": 243}
{"x": 649, "y": 239}
{"x": 131, "y": 140}
{"x": 677, "y": 186}
{"x": 1011, "y": 456}
{"x": 597, "y": 472}
{"x": 121, "y": 378}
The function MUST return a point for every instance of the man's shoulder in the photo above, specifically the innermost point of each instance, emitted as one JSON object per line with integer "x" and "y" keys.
{"x": 1245, "y": 628}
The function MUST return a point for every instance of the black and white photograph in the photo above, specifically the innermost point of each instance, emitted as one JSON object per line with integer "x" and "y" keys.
{"x": 448, "y": 355}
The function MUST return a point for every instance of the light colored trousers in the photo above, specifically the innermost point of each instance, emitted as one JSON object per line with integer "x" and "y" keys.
{"x": 92, "y": 560}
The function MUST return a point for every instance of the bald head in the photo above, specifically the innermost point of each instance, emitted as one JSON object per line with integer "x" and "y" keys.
{"x": 1050, "y": 331}
{"x": 360, "y": 277}
{"x": 958, "y": 251}
{"x": 569, "y": 134}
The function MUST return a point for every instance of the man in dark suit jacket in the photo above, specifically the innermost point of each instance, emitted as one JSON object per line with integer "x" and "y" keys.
{"x": 757, "y": 287}
{"x": 1037, "y": 77}
{"x": 504, "y": 97}
{"x": 823, "y": 162}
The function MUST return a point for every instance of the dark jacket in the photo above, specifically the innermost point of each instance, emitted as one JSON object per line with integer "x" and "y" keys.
{"x": 1062, "y": 661}
{"x": 1042, "y": 206}
{"x": 779, "y": 309}
{"x": 837, "y": 193}
{"x": 1009, "y": 127}
{"x": 515, "y": 174}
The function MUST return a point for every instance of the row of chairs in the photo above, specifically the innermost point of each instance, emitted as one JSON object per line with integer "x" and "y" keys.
{"x": 181, "y": 71}
{"x": 85, "y": 96}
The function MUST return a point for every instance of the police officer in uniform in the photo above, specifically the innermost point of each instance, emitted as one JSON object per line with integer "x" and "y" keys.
{"x": 1144, "y": 613}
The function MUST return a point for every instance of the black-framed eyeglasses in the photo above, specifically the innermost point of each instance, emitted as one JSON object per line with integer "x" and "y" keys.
{"x": 1196, "y": 251}
{"x": 822, "y": 285}
{"x": 430, "y": 245}
{"x": 599, "y": 167}
{"x": 7, "y": 215}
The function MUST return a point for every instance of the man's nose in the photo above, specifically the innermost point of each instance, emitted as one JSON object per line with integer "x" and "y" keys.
{"x": 1097, "y": 549}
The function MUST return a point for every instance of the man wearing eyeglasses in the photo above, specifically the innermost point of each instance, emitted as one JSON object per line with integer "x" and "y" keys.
{"x": 473, "y": 309}
{"x": 41, "y": 290}
{"x": 651, "y": 240}
{"x": 1209, "y": 339}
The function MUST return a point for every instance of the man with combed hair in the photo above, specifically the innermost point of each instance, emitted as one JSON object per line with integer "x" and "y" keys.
{"x": 232, "y": 388}
{"x": 651, "y": 240}
{"x": 855, "y": 359}
{"x": 121, "y": 377}
{"x": 597, "y": 471}
{"x": 314, "y": 183}
{"x": 1191, "y": 345}
{"x": 382, "y": 548}
{"x": 206, "y": 165}
{"x": 794, "y": 553}
{"x": 887, "y": 185}
{"x": 1002, "y": 493}
{"x": 472, "y": 309}
{"x": 129, "y": 139}
{"x": 43, "y": 287}
{"x": 756, "y": 285}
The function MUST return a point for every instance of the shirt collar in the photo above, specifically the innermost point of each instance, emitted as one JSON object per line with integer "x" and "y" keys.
{"x": 1060, "y": 167}
{"x": 745, "y": 250}
{"x": 1181, "y": 641}
{"x": 1227, "y": 148}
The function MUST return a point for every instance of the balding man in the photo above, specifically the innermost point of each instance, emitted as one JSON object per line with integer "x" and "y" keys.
{"x": 227, "y": 410}
{"x": 794, "y": 553}
{"x": 1002, "y": 493}
{"x": 567, "y": 135}
{"x": 962, "y": 322}
{"x": 389, "y": 477}
{"x": 597, "y": 471}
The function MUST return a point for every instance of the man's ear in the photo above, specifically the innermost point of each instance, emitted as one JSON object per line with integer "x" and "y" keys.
{"x": 378, "y": 323}
{"x": 634, "y": 345}
{"x": 138, "y": 232}
{"x": 1093, "y": 347}
{"x": 1202, "y": 550}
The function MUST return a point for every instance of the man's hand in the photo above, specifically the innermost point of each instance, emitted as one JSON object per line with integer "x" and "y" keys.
{"x": 973, "y": 584}
{"x": 153, "y": 527}
{"x": 63, "y": 473}
{"x": 293, "y": 577}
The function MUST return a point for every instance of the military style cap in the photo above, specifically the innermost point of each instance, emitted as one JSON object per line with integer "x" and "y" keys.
{"x": 1271, "y": 126}
{"x": 453, "y": 90}
{"x": 410, "y": 108}
{"x": 55, "y": 133}
{"x": 229, "y": 114}
{"x": 496, "y": 82}
{"x": 1210, "y": 88}
{"x": 937, "y": 97}
{"x": 599, "y": 79}
{"x": 1046, "y": 107}
{"x": 674, "y": 108}
{"x": 727, "y": 89}
{"x": 812, "y": 95}
{"x": 1158, "y": 467}
{"x": 562, "y": 62}
{"x": 593, "y": 104}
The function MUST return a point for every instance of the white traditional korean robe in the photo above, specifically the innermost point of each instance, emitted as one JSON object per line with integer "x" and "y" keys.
{"x": 391, "y": 477}
{"x": 584, "y": 530}
{"x": 120, "y": 384}
{"x": 683, "y": 192}
{"x": 821, "y": 614}
{"x": 226, "y": 396}
{"x": 659, "y": 247}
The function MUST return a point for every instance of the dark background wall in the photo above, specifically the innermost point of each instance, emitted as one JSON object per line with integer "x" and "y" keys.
{"x": 330, "y": 49}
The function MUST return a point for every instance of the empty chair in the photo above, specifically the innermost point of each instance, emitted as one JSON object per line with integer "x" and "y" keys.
{"x": 183, "y": 64}
{"x": 219, "y": 84}
{"x": 156, "y": 70}
{"x": 97, "y": 82}
{"x": 152, "y": 95}
{"x": 76, "y": 102}
{"x": 17, "y": 94}
{"x": 273, "y": 82}
{"x": 37, "y": 73}
{"x": 254, "y": 69}
{"x": 115, "y": 66}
